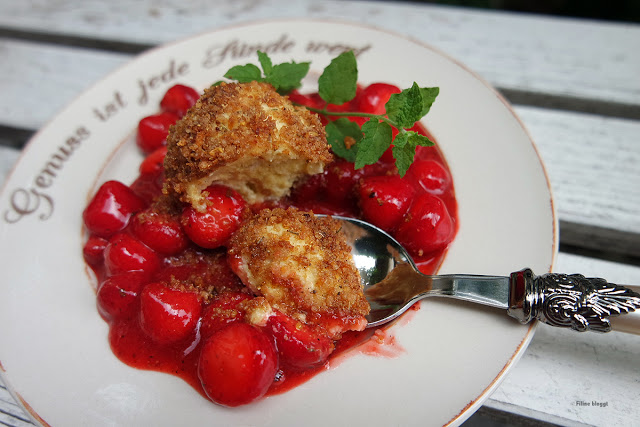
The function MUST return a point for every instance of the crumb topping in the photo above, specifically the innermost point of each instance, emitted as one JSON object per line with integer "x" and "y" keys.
{"x": 248, "y": 137}
{"x": 303, "y": 267}
{"x": 207, "y": 274}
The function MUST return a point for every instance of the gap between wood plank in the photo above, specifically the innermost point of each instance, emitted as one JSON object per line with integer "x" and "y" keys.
{"x": 75, "y": 41}
{"x": 14, "y": 137}
{"x": 620, "y": 258}
{"x": 486, "y": 416}
{"x": 569, "y": 103}
{"x": 599, "y": 242}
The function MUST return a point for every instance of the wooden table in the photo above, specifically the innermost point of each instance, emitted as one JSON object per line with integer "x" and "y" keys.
{"x": 574, "y": 83}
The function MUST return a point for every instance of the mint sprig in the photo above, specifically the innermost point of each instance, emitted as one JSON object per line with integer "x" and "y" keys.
{"x": 337, "y": 85}
{"x": 283, "y": 77}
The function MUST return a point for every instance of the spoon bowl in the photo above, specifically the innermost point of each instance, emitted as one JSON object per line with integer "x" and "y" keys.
{"x": 376, "y": 254}
{"x": 391, "y": 279}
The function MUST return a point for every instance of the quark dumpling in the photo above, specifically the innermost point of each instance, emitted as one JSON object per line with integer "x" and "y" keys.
{"x": 302, "y": 265}
{"x": 245, "y": 136}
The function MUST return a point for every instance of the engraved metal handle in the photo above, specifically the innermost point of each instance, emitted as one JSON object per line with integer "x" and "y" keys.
{"x": 573, "y": 301}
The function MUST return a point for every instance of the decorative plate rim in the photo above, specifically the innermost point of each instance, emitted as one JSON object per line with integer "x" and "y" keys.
{"x": 466, "y": 411}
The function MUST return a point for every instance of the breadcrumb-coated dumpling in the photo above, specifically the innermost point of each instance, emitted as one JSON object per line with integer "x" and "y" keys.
{"x": 247, "y": 137}
{"x": 303, "y": 267}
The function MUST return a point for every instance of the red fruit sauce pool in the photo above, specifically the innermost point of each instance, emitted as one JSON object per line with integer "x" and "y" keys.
{"x": 136, "y": 254}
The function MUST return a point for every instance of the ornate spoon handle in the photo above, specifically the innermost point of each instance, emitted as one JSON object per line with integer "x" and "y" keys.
{"x": 572, "y": 301}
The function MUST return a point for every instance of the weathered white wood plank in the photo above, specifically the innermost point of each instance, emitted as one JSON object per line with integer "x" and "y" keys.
{"x": 592, "y": 162}
{"x": 39, "y": 80}
{"x": 565, "y": 57}
{"x": 562, "y": 367}
{"x": 8, "y": 157}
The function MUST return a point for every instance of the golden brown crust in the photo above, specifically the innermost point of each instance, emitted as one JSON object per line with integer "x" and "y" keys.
{"x": 247, "y": 124}
{"x": 303, "y": 267}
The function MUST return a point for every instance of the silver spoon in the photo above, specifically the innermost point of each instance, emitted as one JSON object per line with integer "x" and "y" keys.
{"x": 393, "y": 284}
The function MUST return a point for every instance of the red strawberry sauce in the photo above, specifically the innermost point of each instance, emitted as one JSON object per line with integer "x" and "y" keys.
{"x": 147, "y": 257}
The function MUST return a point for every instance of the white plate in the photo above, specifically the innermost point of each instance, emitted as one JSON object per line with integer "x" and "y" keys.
{"x": 53, "y": 344}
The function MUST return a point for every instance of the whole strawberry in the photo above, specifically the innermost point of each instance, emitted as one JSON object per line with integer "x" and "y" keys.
{"x": 237, "y": 364}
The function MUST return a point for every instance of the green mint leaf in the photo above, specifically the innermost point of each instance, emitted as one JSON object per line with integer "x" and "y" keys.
{"x": 405, "y": 108}
{"x": 403, "y": 152}
{"x": 429, "y": 95}
{"x": 283, "y": 77}
{"x": 377, "y": 138}
{"x": 338, "y": 81}
{"x": 286, "y": 77}
{"x": 343, "y": 136}
{"x": 419, "y": 139}
{"x": 244, "y": 73}
{"x": 265, "y": 62}
{"x": 404, "y": 149}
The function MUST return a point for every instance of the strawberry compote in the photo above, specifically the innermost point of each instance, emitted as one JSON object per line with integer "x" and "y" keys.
{"x": 172, "y": 300}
